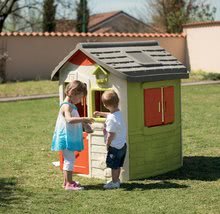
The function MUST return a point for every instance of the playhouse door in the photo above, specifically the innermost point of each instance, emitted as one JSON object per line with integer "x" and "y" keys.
{"x": 81, "y": 165}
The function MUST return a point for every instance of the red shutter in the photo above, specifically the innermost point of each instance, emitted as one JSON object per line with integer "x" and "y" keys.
{"x": 168, "y": 102}
{"x": 152, "y": 107}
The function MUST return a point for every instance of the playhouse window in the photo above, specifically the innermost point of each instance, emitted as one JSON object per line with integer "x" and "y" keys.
{"x": 158, "y": 106}
{"x": 82, "y": 106}
{"x": 97, "y": 104}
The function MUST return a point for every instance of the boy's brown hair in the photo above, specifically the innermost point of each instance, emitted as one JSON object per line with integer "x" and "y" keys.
{"x": 76, "y": 87}
{"x": 110, "y": 98}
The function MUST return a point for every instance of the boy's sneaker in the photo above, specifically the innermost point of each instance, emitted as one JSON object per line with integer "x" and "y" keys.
{"x": 112, "y": 185}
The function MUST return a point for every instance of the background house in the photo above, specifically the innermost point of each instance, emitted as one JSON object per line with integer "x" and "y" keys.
{"x": 117, "y": 21}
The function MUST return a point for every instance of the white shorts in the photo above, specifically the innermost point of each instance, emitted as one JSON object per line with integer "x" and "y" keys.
{"x": 69, "y": 159}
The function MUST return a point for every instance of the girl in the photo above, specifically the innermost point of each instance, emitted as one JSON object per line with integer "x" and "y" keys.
{"x": 68, "y": 134}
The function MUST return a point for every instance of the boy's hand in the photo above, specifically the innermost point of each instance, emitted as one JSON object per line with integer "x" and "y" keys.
{"x": 96, "y": 113}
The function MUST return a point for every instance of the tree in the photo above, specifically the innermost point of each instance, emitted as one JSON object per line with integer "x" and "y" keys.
{"x": 170, "y": 15}
{"x": 82, "y": 19}
{"x": 49, "y": 12}
{"x": 17, "y": 15}
{"x": 6, "y": 8}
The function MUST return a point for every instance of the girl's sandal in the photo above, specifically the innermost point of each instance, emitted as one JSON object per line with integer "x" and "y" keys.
{"x": 74, "y": 182}
{"x": 74, "y": 186}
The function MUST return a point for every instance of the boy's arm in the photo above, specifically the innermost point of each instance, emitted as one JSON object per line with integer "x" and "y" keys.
{"x": 68, "y": 117}
{"x": 110, "y": 136}
{"x": 100, "y": 113}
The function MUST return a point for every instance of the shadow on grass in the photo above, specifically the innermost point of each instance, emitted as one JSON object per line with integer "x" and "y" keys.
{"x": 158, "y": 185}
{"x": 7, "y": 190}
{"x": 142, "y": 185}
{"x": 195, "y": 168}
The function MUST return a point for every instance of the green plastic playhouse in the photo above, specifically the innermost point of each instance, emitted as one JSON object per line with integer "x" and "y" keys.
{"x": 147, "y": 79}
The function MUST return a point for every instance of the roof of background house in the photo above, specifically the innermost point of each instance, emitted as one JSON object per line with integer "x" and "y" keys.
{"x": 133, "y": 61}
{"x": 97, "y": 20}
{"x": 101, "y": 18}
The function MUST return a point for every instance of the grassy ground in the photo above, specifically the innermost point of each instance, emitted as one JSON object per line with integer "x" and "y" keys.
{"x": 15, "y": 89}
{"x": 30, "y": 184}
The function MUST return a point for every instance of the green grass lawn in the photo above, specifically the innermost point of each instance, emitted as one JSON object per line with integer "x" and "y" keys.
{"x": 29, "y": 183}
{"x": 15, "y": 89}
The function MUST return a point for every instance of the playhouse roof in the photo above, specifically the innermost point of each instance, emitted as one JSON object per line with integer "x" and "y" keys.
{"x": 133, "y": 61}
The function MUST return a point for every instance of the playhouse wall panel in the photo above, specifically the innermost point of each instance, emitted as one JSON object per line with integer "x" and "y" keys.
{"x": 98, "y": 173}
{"x": 98, "y": 156}
{"x": 152, "y": 150}
{"x": 98, "y": 149}
{"x": 98, "y": 164}
{"x": 98, "y": 140}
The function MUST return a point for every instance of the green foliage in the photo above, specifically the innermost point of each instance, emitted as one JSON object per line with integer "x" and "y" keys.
{"x": 203, "y": 75}
{"x": 170, "y": 15}
{"x": 29, "y": 183}
{"x": 201, "y": 12}
{"x": 82, "y": 19}
{"x": 49, "y": 12}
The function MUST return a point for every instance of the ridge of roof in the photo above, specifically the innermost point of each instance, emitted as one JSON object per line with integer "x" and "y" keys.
{"x": 76, "y": 34}
{"x": 116, "y": 44}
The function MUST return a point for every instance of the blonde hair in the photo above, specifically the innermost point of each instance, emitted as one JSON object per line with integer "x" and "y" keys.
{"x": 76, "y": 87}
{"x": 110, "y": 98}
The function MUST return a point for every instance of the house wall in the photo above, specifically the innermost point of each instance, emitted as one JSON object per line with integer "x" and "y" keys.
{"x": 203, "y": 47}
{"x": 152, "y": 150}
{"x": 35, "y": 57}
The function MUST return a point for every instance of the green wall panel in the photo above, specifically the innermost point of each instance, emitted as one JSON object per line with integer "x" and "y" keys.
{"x": 152, "y": 150}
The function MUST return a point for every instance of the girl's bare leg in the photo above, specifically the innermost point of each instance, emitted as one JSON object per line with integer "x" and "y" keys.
{"x": 68, "y": 177}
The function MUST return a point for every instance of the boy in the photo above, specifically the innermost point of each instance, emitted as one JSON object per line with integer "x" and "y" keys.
{"x": 115, "y": 136}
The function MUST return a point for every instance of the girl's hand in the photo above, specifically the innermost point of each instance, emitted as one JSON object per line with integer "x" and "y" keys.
{"x": 88, "y": 120}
